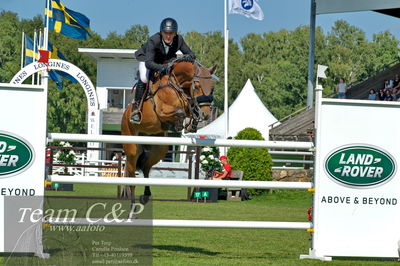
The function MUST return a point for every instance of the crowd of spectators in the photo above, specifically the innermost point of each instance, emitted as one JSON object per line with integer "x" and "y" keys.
{"x": 390, "y": 91}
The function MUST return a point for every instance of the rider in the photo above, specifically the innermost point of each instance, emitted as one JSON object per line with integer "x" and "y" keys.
{"x": 160, "y": 48}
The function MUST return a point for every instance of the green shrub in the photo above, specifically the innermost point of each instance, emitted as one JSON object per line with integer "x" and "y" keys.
{"x": 256, "y": 163}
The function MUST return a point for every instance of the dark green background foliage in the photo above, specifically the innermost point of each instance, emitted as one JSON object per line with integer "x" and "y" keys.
{"x": 276, "y": 62}
{"x": 256, "y": 163}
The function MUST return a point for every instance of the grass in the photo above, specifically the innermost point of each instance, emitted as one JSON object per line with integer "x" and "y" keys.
{"x": 200, "y": 246}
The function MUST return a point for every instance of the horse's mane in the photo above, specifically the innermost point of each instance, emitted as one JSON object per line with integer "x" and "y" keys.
{"x": 184, "y": 58}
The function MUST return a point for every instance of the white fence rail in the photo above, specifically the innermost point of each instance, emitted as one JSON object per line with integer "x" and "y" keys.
{"x": 188, "y": 223}
{"x": 181, "y": 141}
{"x": 180, "y": 182}
{"x": 292, "y": 161}
{"x": 304, "y": 153}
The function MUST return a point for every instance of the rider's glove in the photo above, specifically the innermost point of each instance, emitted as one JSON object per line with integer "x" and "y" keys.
{"x": 163, "y": 70}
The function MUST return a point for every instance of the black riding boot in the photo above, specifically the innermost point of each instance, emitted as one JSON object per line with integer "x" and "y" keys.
{"x": 136, "y": 115}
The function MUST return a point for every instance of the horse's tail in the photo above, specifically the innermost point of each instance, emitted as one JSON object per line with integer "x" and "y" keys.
{"x": 141, "y": 160}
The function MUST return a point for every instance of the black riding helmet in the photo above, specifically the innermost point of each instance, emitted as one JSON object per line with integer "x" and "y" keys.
{"x": 169, "y": 25}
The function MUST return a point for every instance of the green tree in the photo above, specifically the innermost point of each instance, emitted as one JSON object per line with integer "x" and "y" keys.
{"x": 137, "y": 35}
{"x": 386, "y": 48}
{"x": 67, "y": 109}
{"x": 209, "y": 50}
{"x": 10, "y": 45}
{"x": 276, "y": 62}
{"x": 345, "y": 43}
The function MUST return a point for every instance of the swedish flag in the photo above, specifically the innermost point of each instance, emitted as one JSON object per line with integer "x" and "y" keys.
{"x": 30, "y": 55}
{"x": 67, "y": 22}
{"x": 56, "y": 54}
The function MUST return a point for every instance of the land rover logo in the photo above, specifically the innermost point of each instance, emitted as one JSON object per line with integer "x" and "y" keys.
{"x": 16, "y": 154}
{"x": 360, "y": 165}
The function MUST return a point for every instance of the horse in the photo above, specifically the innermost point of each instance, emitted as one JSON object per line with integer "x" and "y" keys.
{"x": 185, "y": 92}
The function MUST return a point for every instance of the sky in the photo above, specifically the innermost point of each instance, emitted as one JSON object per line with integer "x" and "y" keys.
{"x": 203, "y": 16}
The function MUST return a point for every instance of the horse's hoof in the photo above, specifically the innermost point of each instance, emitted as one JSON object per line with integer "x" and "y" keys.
{"x": 193, "y": 129}
{"x": 144, "y": 199}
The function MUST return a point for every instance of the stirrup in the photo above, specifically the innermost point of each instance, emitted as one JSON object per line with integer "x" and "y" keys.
{"x": 136, "y": 117}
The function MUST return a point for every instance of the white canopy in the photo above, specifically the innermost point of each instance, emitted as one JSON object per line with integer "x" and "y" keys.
{"x": 246, "y": 111}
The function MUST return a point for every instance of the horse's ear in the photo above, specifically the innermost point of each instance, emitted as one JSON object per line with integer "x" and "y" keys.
{"x": 212, "y": 69}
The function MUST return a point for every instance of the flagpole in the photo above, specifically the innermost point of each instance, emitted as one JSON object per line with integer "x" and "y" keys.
{"x": 46, "y": 28}
{"x": 35, "y": 50}
{"x": 45, "y": 74}
{"x": 226, "y": 43}
{"x": 40, "y": 45}
{"x": 22, "y": 49}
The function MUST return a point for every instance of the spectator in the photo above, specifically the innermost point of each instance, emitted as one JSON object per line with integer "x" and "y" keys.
{"x": 396, "y": 82}
{"x": 372, "y": 95}
{"x": 388, "y": 84}
{"x": 116, "y": 157}
{"x": 381, "y": 95}
{"x": 341, "y": 89}
{"x": 227, "y": 170}
{"x": 394, "y": 92}
{"x": 388, "y": 96}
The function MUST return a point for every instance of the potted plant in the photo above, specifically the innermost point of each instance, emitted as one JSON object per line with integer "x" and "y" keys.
{"x": 65, "y": 155}
{"x": 209, "y": 161}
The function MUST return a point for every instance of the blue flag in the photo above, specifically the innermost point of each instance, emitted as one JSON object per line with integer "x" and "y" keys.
{"x": 30, "y": 51}
{"x": 67, "y": 22}
{"x": 56, "y": 54}
{"x": 54, "y": 76}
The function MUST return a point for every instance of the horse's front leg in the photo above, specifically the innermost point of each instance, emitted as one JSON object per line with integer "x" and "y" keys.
{"x": 153, "y": 156}
{"x": 130, "y": 169}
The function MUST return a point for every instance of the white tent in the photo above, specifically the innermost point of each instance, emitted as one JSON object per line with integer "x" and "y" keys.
{"x": 246, "y": 111}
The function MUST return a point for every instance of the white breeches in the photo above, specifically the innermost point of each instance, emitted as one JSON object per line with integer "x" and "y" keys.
{"x": 143, "y": 72}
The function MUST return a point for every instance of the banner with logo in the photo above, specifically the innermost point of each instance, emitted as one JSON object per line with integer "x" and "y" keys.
{"x": 247, "y": 8}
{"x": 357, "y": 182}
{"x": 22, "y": 154}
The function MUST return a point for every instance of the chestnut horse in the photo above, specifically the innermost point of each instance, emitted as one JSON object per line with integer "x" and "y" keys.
{"x": 186, "y": 92}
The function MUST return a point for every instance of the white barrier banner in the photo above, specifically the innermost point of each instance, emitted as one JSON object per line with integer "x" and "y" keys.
{"x": 357, "y": 198}
{"x": 22, "y": 152}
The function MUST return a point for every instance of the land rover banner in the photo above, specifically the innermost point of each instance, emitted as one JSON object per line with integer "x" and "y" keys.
{"x": 22, "y": 155}
{"x": 357, "y": 185}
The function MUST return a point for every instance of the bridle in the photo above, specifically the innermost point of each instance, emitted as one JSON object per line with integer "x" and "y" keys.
{"x": 203, "y": 100}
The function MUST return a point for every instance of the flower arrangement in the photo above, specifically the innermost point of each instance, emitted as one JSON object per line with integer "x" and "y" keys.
{"x": 209, "y": 159}
{"x": 65, "y": 155}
